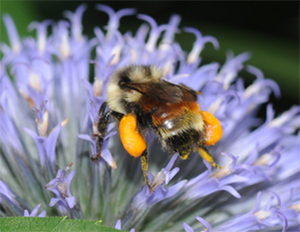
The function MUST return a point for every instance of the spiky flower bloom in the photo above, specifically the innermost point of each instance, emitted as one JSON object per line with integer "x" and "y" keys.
{"x": 49, "y": 112}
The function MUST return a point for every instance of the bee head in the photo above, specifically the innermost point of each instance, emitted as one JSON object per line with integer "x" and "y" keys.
{"x": 138, "y": 74}
{"x": 124, "y": 80}
{"x": 119, "y": 91}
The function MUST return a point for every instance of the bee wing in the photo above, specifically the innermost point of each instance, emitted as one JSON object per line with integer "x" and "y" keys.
{"x": 189, "y": 95}
{"x": 164, "y": 91}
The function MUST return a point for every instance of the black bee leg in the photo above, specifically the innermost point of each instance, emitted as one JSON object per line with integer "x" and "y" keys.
{"x": 204, "y": 153}
{"x": 102, "y": 126}
{"x": 117, "y": 116}
{"x": 145, "y": 165}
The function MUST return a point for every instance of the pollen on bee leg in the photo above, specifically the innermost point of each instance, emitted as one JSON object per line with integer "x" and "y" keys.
{"x": 205, "y": 155}
{"x": 184, "y": 156}
{"x": 145, "y": 166}
{"x": 213, "y": 128}
{"x": 132, "y": 140}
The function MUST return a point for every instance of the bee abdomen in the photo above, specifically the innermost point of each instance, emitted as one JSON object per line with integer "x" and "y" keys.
{"x": 183, "y": 143}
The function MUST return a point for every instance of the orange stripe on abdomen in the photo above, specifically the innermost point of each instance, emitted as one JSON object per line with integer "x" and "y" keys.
{"x": 174, "y": 112}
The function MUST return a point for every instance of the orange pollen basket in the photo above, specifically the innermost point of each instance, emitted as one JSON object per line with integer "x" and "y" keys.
{"x": 132, "y": 140}
{"x": 213, "y": 129}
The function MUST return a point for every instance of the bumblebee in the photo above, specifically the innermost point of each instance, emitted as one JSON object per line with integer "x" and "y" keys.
{"x": 139, "y": 99}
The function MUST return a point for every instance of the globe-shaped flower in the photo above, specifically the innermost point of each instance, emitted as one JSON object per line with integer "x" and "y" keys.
{"x": 49, "y": 111}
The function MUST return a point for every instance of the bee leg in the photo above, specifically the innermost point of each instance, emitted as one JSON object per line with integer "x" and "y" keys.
{"x": 134, "y": 142}
{"x": 117, "y": 116}
{"x": 205, "y": 155}
{"x": 102, "y": 126}
{"x": 145, "y": 165}
{"x": 183, "y": 155}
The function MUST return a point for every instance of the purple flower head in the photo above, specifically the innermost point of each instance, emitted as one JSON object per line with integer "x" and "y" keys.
{"x": 105, "y": 153}
{"x": 41, "y": 31}
{"x": 114, "y": 17}
{"x": 75, "y": 19}
{"x": 273, "y": 214}
{"x": 45, "y": 83}
{"x": 199, "y": 44}
{"x": 205, "y": 184}
{"x": 145, "y": 199}
{"x": 9, "y": 200}
{"x": 45, "y": 144}
{"x": 60, "y": 187}
{"x": 34, "y": 212}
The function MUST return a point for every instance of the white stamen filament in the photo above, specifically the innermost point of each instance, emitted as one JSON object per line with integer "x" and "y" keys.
{"x": 65, "y": 46}
{"x": 29, "y": 100}
{"x": 158, "y": 179}
{"x": 164, "y": 46}
{"x": 262, "y": 214}
{"x": 296, "y": 207}
{"x": 228, "y": 79}
{"x": 263, "y": 160}
{"x": 42, "y": 125}
{"x": 251, "y": 90}
{"x": 194, "y": 54}
{"x": 277, "y": 122}
{"x": 151, "y": 42}
{"x": 98, "y": 86}
{"x": 16, "y": 47}
{"x": 63, "y": 123}
{"x": 224, "y": 171}
{"x": 117, "y": 52}
{"x": 113, "y": 164}
{"x": 134, "y": 56}
{"x": 167, "y": 68}
{"x": 213, "y": 108}
{"x": 34, "y": 81}
{"x": 41, "y": 42}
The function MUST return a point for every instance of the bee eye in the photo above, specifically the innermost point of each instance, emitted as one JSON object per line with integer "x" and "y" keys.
{"x": 124, "y": 80}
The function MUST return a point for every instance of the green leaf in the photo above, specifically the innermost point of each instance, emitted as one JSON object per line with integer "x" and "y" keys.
{"x": 51, "y": 224}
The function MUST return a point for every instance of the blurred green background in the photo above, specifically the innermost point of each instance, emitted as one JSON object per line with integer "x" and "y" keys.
{"x": 269, "y": 30}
